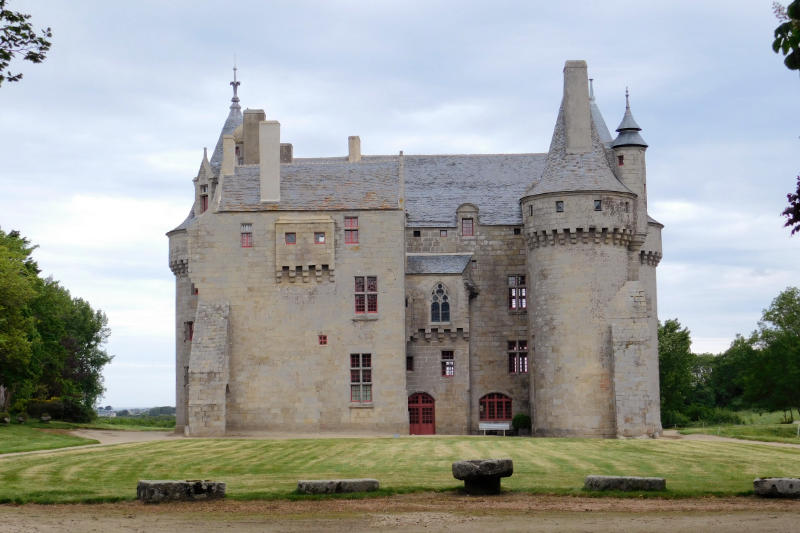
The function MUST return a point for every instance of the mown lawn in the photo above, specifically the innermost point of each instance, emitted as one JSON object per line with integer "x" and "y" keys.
{"x": 271, "y": 468}
{"x": 26, "y": 437}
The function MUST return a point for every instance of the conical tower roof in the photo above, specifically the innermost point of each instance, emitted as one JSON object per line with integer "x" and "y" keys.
{"x": 597, "y": 118}
{"x": 233, "y": 121}
{"x": 571, "y": 169}
{"x": 628, "y": 129}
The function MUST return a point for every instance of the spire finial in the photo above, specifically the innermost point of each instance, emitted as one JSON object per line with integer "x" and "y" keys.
{"x": 627, "y": 99}
{"x": 235, "y": 84}
{"x": 591, "y": 89}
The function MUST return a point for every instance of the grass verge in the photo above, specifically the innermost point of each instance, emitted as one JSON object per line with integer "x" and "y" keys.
{"x": 766, "y": 432}
{"x": 30, "y": 437}
{"x": 267, "y": 469}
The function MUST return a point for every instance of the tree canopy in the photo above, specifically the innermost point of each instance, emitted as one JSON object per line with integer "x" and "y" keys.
{"x": 18, "y": 37}
{"x": 787, "y": 34}
{"x": 51, "y": 344}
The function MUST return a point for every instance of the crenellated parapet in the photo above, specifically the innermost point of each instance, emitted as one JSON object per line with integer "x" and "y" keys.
{"x": 613, "y": 236}
{"x": 439, "y": 334}
{"x": 650, "y": 258}
{"x": 179, "y": 267}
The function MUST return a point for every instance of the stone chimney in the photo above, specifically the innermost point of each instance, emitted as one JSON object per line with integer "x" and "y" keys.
{"x": 250, "y": 131}
{"x": 287, "y": 153}
{"x": 228, "y": 157}
{"x": 354, "y": 149}
{"x": 577, "y": 115}
{"x": 269, "y": 151}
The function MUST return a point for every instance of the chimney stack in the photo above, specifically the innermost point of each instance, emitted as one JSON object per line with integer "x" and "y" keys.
{"x": 577, "y": 116}
{"x": 354, "y": 149}
{"x": 252, "y": 117}
{"x": 287, "y": 153}
{"x": 269, "y": 151}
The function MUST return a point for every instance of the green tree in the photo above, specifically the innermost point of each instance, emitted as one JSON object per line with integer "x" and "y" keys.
{"x": 787, "y": 34}
{"x": 18, "y": 283}
{"x": 730, "y": 372}
{"x": 17, "y": 37}
{"x": 675, "y": 366}
{"x": 792, "y": 213}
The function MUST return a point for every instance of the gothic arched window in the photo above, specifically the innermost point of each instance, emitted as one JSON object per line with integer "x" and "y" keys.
{"x": 440, "y": 304}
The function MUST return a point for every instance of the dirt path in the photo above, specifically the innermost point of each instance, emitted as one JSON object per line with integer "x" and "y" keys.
{"x": 415, "y": 512}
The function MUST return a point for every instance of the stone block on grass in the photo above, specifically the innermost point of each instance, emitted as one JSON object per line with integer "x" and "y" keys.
{"x": 482, "y": 476}
{"x": 336, "y": 486}
{"x": 777, "y": 487}
{"x": 157, "y": 491}
{"x": 624, "y": 483}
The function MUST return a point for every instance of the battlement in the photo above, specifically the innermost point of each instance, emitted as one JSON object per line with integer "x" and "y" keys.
{"x": 650, "y": 258}
{"x": 613, "y": 236}
{"x": 179, "y": 267}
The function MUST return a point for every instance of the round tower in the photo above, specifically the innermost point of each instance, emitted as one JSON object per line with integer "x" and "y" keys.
{"x": 579, "y": 221}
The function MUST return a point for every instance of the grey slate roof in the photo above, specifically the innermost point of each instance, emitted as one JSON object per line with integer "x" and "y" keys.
{"x": 320, "y": 185}
{"x": 437, "y": 264}
{"x": 233, "y": 121}
{"x": 186, "y": 223}
{"x": 437, "y": 184}
{"x": 565, "y": 172}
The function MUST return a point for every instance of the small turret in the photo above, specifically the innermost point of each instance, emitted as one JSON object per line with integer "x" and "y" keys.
{"x": 628, "y": 129}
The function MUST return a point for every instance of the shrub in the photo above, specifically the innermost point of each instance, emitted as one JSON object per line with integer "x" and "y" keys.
{"x": 52, "y": 407}
{"x": 521, "y": 421}
{"x": 4, "y": 416}
{"x": 671, "y": 418}
{"x": 75, "y": 411}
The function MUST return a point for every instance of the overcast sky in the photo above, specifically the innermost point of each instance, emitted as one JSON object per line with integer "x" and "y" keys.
{"x": 99, "y": 144}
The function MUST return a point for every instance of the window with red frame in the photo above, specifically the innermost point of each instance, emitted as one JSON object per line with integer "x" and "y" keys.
{"x": 495, "y": 406}
{"x": 351, "y": 230}
{"x": 247, "y": 236}
{"x": 319, "y": 237}
{"x": 518, "y": 357}
{"x": 366, "y": 294}
{"x": 517, "y": 293}
{"x": 361, "y": 378}
{"x": 290, "y": 238}
{"x": 204, "y": 198}
{"x": 323, "y": 340}
{"x": 448, "y": 364}
{"x": 467, "y": 227}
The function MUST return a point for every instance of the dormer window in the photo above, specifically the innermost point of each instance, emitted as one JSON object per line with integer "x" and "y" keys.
{"x": 203, "y": 198}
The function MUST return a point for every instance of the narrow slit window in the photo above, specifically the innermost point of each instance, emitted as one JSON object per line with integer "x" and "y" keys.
{"x": 620, "y": 160}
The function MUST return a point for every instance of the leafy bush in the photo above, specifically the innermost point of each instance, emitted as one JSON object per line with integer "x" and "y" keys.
{"x": 521, "y": 421}
{"x": 52, "y": 407}
{"x": 670, "y": 418}
{"x": 161, "y": 421}
{"x": 75, "y": 411}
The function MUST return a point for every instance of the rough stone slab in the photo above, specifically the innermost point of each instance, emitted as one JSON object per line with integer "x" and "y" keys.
{"x": 157, "y": 491}
{"x": 624, "y": 483}
{"x": 333, "y": 486}
{"x": 482, "y": 476}
{"x": 777, "y": 487}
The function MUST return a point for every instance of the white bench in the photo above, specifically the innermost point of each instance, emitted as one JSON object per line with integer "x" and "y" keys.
{"x": 494, "y": 426}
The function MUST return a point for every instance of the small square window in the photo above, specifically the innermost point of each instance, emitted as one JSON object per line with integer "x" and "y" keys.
{"x": 319, "y": 237}
{"x": 323, "y": 340}
{"x": 517, "y": 231}
{"x": 442, "y": 233}
{"x": 417, "y": 233}
{"x": 290, "y": 238}
{"x": 467, "y": 227}
{"x": 559, "y": 206}
{"x": 598, "y": 205}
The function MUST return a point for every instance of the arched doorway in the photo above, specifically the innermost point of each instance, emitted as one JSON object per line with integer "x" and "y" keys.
{"x": 421, "y": 414}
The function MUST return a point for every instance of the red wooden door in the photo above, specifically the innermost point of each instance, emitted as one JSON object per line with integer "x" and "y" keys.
{"x": 421, "y": 414}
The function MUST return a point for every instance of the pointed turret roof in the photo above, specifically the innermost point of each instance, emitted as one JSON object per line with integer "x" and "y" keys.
{"x": 583, "y": 169}
{"x": 597, "y": 118}
{"x": 233, "y": 121}
{"x": 628, "y": 129}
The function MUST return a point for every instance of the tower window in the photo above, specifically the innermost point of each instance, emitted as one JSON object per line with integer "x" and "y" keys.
{"x": 290, "y": 238}
{"x": 417, "y": 233}
{"x": 598, "y": 205}
{"x": 620, "y": 160}
{"x": 517, "y": 231}
{"x": 366, "y": 294}
{"x": 319, "y": 237}
{"x": 442, "y": 233}
{"x": 448, "y": 364}
{"x": 517, "y": 293}
{"x": 361, "y": 378}
{"x": 518, "y": 357}
{"x": 409, "y": 363}
{"x": 559, "y": 206}
{"x": 322, "y": 339}
{"x": 188, "y": 331}
{"x": 247, "y": 236}
{"x": 530, "y": 210}
{"x": 467, "y": 227}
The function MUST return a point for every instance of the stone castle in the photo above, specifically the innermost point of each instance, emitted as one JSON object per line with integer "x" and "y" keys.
{"x": 420, "y": 293}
